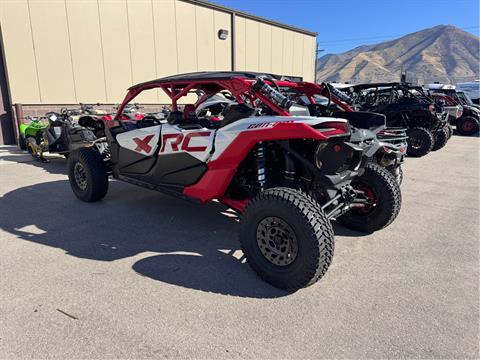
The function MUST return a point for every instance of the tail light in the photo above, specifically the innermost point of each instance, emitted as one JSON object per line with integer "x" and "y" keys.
{"x": 431, "y": 107}
{"x": 334, "y": 128}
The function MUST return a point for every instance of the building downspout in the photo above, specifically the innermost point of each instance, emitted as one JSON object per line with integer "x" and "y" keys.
{"x": 233, "y": 37}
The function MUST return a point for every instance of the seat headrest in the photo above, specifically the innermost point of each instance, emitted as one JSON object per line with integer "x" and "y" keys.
{"x": 188, "y": 111}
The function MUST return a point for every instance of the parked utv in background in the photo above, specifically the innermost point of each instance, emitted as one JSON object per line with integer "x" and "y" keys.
{"x": 287, "y": 176}
{"x": 391, "y": 141}
{"x": 407, "y": 106}
{"x": 468, "y": 123}
{"x": 451, "y": 107}
{"x": 471, "y": 89}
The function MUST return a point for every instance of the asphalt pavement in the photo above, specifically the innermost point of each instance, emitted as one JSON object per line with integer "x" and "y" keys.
{"x": 144, "y": 275}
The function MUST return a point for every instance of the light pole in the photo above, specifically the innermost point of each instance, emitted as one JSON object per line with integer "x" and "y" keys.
{"x": 317, "y": 50}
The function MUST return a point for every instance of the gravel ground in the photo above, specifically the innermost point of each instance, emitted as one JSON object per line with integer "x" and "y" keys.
{"x": 143, "y": 275}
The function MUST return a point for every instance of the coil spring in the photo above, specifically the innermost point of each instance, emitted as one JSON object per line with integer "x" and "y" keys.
{"x": 260, "y": 160}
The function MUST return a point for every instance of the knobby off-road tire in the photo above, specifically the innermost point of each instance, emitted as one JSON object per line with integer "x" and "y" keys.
{"x": 398, "y": 174}
{"x": 287, "y": 239}
{"x": 22, "y": 143}
{"x": 467, "y": 125}
{"x": 32, "y": 146}
{"x": 441, "y": 139}
{"x": 385, "y": 205}
{"x": 450, "y": 130}
{"x": 87, "y": 174}
{"x": 420, "y": 142}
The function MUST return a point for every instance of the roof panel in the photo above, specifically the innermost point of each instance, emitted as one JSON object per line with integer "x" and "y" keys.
{"x": 203, "y": 75}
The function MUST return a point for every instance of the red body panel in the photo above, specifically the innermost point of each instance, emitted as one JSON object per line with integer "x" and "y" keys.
{"x": 221, "y": 171}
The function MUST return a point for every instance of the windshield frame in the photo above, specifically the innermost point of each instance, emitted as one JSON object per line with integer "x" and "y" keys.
{"x": 464, "y": 97}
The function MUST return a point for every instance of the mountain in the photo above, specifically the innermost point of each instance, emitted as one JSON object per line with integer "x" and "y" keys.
{"x": 442, "y": 53}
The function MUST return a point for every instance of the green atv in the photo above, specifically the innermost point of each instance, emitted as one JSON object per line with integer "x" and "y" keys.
{"x": 32, "y": 133}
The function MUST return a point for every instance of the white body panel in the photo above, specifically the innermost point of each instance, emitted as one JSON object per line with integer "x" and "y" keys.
{"x": 199, "y": 142}
{"x": 130, "y": 140}
{"x": 170, "y": 138}
{"x": 228, "y": 133}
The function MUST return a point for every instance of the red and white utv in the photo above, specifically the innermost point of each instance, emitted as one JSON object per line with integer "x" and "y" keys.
{"x": 287, "y": 176}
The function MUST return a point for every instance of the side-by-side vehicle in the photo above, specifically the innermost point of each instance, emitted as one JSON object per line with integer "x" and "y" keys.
{"x": 287, "y": 171}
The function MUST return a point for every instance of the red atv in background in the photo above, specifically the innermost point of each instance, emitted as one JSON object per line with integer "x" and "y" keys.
{"x": 96, "y": 120}
{"x": 453, "y": 108}
{"x": 288, "y": 176}
{"x": 468, "y": 122}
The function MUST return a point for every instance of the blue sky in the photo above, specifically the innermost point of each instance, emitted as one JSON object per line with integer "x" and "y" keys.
{"x": 344, "y": 24}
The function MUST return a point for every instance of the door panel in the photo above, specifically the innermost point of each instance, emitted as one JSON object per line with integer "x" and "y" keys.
{"x": 165, "y": 154}
{"x": 137, "y": 149}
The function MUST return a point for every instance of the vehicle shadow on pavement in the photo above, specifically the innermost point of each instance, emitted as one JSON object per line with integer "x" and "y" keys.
{"x": 340, "y": 230}
{"x": 56, "y": 164}
{"x": 197, "y": 245}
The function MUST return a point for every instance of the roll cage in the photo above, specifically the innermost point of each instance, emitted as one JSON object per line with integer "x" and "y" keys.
{"x": 391, "y": 91}
{"x": 239, "y": 84}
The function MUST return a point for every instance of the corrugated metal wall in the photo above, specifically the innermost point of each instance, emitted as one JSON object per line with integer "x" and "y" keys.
{"x": 263, "y": 47}
{"x": 70, "y": 51}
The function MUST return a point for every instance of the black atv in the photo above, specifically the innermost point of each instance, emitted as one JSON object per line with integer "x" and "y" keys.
{"x": 61, "y": 136}
{"x": 406, "y": 106}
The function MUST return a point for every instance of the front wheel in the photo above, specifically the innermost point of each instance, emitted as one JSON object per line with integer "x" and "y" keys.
{"x": 467, "y": 125}
{"x": 287, "y": 238}
{"x": 441, "y": 138}
{"x": 383, "y": 200}
{"x": 420, "y": 142}
{"x": 449, "y": 130}
{"x": 397, "y": 172}
{"x": 87, "y": 174}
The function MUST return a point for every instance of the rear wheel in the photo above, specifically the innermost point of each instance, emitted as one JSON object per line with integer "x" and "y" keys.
{"x": 420, "y": 142}
{"x": 467, "y": 125}
{"x": 287, "y": 238}
{"x": 22, "y": 144}
{"x": 383, "y": 197}
{"x": 87, "y": 174}
{"x": 441, "y": 138}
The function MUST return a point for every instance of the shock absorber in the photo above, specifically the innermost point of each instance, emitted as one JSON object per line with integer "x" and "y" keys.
{"x": 260, "y": 160}
{"x": 272, "y": 94}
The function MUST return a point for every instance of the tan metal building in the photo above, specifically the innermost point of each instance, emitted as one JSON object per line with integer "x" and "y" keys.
{"x": 70, "y": 51}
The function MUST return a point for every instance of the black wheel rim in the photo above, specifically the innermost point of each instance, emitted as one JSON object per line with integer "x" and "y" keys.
{"x": 80, "y": 176}
{"x": 277, "y": 241}
{"x": 415, "y": 142}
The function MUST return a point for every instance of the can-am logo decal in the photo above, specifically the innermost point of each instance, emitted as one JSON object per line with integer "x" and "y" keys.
{"x": 142, "y": 144}
{"x": 261, "y": 125}
{"x": 269, "y": 124}
{"x": 180, "y": 141}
